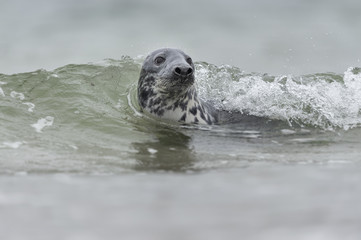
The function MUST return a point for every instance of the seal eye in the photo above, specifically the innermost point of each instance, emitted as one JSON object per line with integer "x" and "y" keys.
{"x": 159, "y": 60}
{"x": 189, "y": 60}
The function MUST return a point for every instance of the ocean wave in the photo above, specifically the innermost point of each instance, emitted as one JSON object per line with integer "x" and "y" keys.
{"x": 324, "y": 100}
{"x": 89, "y": 91}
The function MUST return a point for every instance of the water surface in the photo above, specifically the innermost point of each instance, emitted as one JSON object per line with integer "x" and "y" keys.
{"x": 76, "y": 150}
{"x": 79, "y": 160}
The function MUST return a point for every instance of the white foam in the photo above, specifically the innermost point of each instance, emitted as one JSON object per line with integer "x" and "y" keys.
{"x": 17, "y": 95}
{"x": 323, "y": 100}
{"x": 74, "y": 147}
{"x": 1, "y": 90}
{"x": 30, "y": 105}
{"x": 119, "y": 104}
{"x": 13, "y": 145}
{"x": 136, "y": 112}
{"x": 42, "y": 123}
{"x": 287, "y": 131}
{"x": 303, "y": 140}
{"x": 152, "y": 150}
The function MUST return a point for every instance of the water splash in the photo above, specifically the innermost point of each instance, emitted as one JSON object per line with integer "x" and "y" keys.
{"x": 42, "y": 123}
{"x": 322, "y": 100}
{"x": 1, "y": 90}
{"x": 30, "y": 105}
{"x": 17, "y": 95}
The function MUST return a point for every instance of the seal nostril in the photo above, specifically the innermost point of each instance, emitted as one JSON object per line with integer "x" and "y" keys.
{"x": 190, "y": 71}
{"x": 178, "y": 71}
{"x": 183, "y": 72}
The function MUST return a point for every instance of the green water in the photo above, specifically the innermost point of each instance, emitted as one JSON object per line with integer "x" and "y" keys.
{"x": 86, "y": 119}
{"x": 80, "y": 161}
{"x": 77, "y": 151}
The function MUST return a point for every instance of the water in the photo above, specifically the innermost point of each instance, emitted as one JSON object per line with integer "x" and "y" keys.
{"x": 79, "y": 160}
{"x": 76, "y": 138}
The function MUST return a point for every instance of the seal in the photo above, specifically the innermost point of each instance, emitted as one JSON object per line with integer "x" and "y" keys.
{"x": 166, "y": 89}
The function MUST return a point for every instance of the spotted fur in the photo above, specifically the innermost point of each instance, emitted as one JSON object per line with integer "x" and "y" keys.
{"x": 166, "y": 94}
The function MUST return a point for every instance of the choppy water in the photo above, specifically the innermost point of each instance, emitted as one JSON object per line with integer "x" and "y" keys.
{"x": 86, "y": 119}
{"x": 78, "y": 160}
{"x": 77, "y": 122}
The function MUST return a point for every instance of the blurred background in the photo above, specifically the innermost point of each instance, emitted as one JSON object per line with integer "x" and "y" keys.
{"x": 276, "y": 37}
{"x": 98, "y": 170}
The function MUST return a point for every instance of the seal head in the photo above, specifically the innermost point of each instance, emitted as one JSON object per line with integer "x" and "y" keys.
{"x": 166, "y": 90}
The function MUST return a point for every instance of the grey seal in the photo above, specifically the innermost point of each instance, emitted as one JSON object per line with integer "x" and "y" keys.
{"x": 166, "y": 89}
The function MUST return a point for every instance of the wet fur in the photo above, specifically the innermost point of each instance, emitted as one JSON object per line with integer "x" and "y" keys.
{"x": 182, "y": 105}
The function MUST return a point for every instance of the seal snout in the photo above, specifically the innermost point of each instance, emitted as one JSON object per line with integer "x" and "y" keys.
{"x": 183, "y": 71}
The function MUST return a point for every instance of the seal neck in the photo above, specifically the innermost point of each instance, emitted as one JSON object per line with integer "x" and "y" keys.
{"x": 178, "y": 94}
